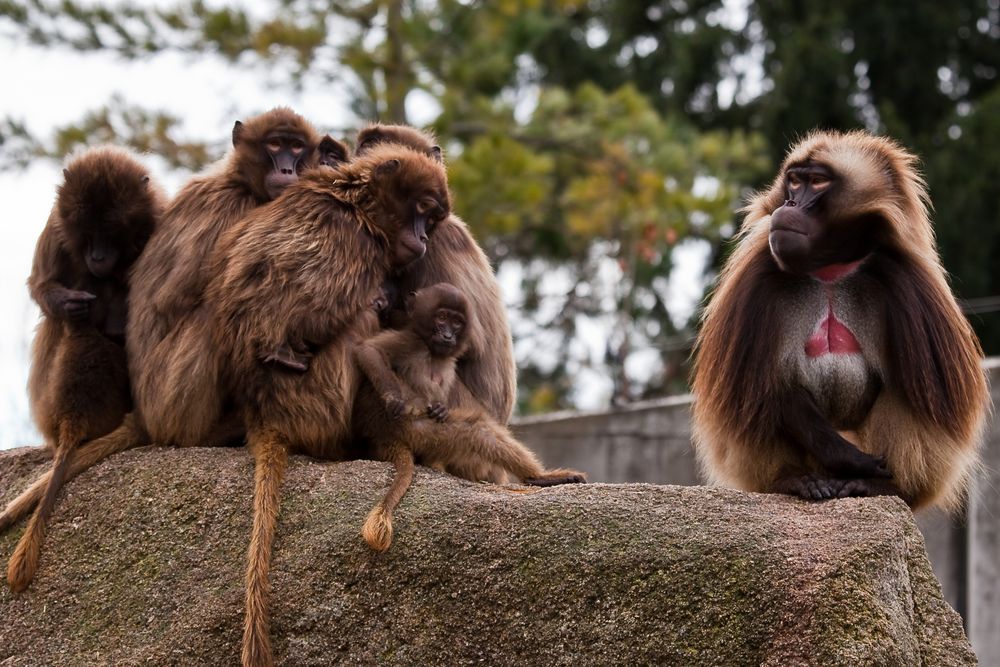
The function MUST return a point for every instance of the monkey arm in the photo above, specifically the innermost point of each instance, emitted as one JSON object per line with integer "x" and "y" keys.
{"x": 51, "y": 262}
{"x": 803, "y": 425}
{"x": 374, "y": 363}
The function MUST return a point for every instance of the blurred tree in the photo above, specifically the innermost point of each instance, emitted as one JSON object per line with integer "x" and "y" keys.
{"x": 923, "y": 72}
{"x": 589, "y": 139}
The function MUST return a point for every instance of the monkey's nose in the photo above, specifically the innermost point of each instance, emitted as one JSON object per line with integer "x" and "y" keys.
{"x": 790, "y": 203}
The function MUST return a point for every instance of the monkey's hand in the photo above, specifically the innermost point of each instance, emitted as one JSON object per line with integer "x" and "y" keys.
{"x": 437, "y": 411}
{"x": 395, "y": 406}
{"x": 285, "y": 357}
{"x": 69, "y": 304}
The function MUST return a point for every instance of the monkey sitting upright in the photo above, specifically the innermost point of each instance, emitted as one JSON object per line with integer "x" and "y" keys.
{"x": 413, "y": 408}
{"x": 834, "y": 318}
{"x": 79, "y": 387}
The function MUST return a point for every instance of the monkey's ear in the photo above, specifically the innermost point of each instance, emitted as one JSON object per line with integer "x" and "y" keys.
{"x": 388, "y": 167}
{"x": 332, "y": 152}
{"x": 237, "y": 131}
{"x": 437, "y": 153}
{"x": 145, "y": 179}
{"x": 409, "y": 302}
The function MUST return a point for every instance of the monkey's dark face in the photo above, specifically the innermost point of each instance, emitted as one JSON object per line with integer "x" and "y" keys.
{"x": 107, "y": 216}
{"x": 439, "y": 315}
{"x": 286, "y": 151}
{"x": 422, "y": 216}
{"x": 413, "y": 192}
{"x": 101, "y": 255}
{"x": 814, "y": 229}
{"x": 445, "y": 332}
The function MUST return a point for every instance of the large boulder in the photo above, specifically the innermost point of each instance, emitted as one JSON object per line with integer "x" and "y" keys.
{"x": 145, "y": 556}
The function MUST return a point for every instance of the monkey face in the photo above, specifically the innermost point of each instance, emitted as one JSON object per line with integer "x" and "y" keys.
{"x": 439, "y": 315}
{"x": 445, "y": 332}
{"x": 101, "y": 255}
{"x": 816, "y": 227}
{"x": 418, "y": 198}
{"x": 286, "y": 152}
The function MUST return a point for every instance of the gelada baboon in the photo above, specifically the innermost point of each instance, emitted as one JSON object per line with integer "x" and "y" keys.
{"x": 404, "y": 409}
{"x": 175, "y": 373}
{"x": 172, "y": 364}
{"x": 487, "y": 369}
{"x": 833, "y": 360}
{"x": 105, "y": 211}
{"x": 305, "y": 268}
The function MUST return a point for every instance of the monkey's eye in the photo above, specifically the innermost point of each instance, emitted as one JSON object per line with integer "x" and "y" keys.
{"x": 819, "y": 182}
{"x": 794, "y": 182}
{"x": 273, "y": 145}
{"x": 297, "y": 147}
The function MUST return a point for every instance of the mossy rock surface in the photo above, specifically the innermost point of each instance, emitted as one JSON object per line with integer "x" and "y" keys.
{"x": 145, "y": 556}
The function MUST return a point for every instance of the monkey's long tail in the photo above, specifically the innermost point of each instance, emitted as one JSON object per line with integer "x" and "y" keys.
{"x": 477, "y": 436}
{"x": 24, "y": 562}
{"x": 270, "y": 460}
{"x": 377, "y": 530}
{"x": 126, "y": 436}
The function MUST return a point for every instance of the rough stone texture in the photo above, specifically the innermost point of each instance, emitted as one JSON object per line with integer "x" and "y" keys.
{"x": 144, "y": 565}
{"x": 650, "y": 441}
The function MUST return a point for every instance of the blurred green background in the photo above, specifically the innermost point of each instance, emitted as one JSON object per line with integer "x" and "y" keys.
{"x": 599, "y": 150}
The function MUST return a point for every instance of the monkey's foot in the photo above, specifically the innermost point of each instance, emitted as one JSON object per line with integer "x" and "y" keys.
{"x": 810, "y": 487}
{"x": 867, "y": 488}
{"x": 557, "y": 477}
{"x": 852, "y": 463}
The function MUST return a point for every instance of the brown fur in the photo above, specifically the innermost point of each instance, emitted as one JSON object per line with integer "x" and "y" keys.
{"x": 488, "y": 369}
{"x": 306, "y": 267}
{"x": 173, "y": 366}
{"x": 923, "y": 403}
{"x": 78, "y": 386}
{"x": 405, "y": 368}
{"x": 176, "y": 373}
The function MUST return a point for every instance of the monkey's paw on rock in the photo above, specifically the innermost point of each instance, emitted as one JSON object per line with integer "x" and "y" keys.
{"x": 145, "y": 558}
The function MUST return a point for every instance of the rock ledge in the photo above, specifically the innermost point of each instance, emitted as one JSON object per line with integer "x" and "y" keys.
{"x": 144, "y": 565}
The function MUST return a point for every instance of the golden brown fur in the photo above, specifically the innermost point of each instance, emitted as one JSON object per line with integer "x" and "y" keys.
{"x": 409, "y": 372}
{"x": 488, "y": 369}
{"x": 305, "y": 267}
{"x": 79, "y": 386}
{"x": 920, "y": 361}
{"x": 176, "y": 382}
{"x": 173, "y": 366}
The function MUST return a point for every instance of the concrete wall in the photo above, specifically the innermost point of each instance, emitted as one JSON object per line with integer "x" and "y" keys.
{"x": 651, "y": 442}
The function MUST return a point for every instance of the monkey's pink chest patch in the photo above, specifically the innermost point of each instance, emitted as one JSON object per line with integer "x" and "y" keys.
{"x": 832, "y": 337}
